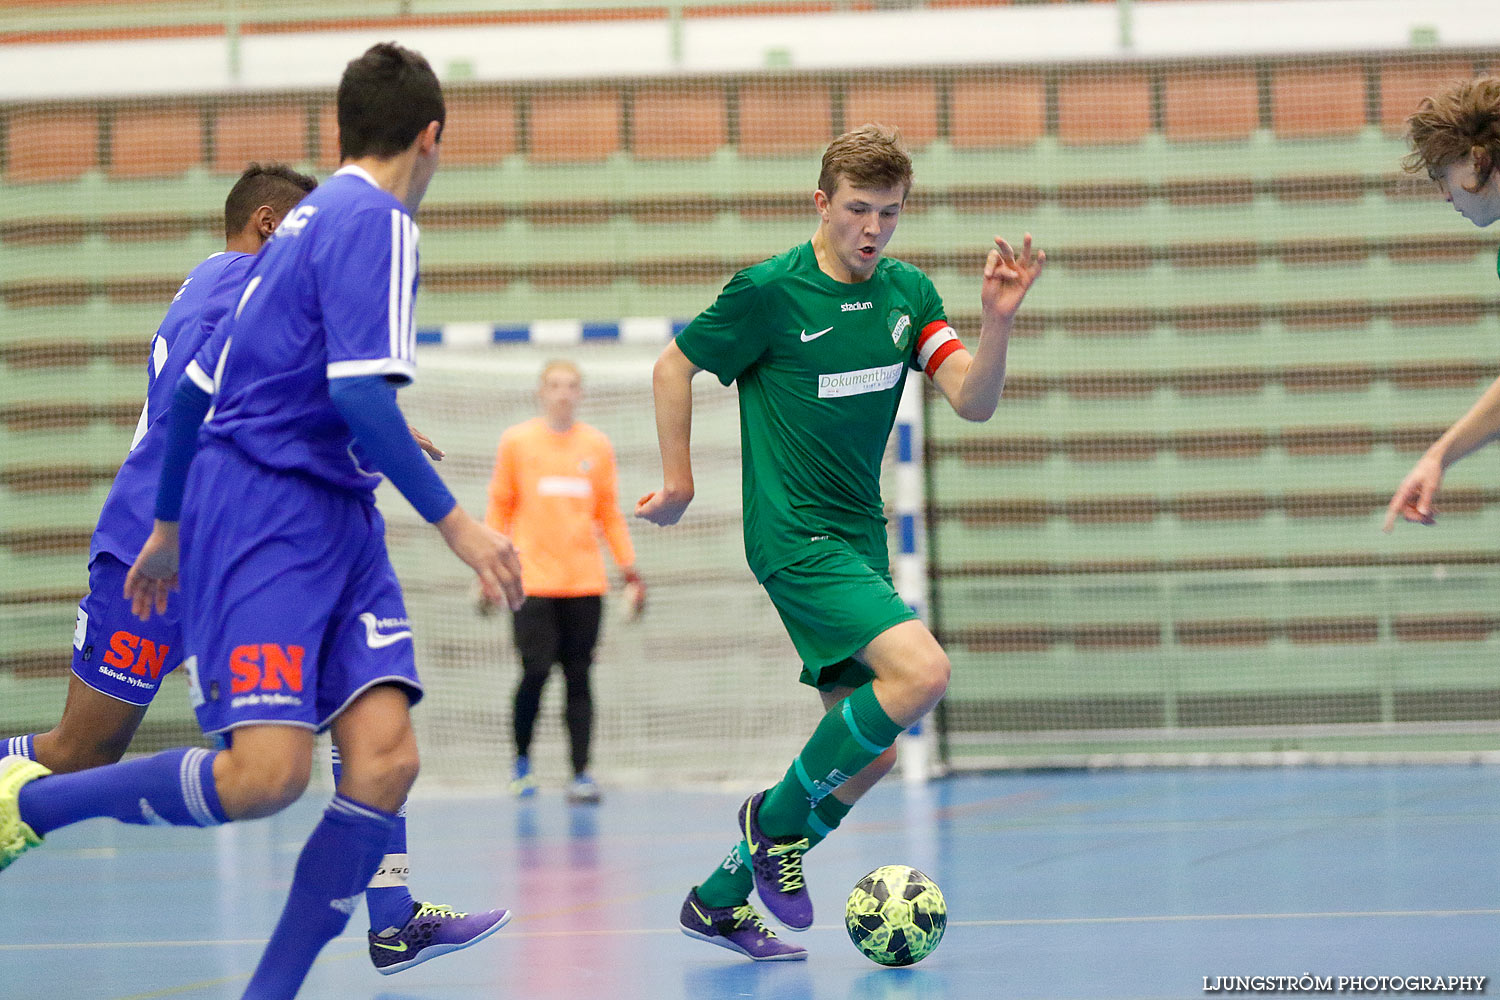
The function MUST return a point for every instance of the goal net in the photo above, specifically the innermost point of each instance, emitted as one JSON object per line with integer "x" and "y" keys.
{"x": 701, "y": 688}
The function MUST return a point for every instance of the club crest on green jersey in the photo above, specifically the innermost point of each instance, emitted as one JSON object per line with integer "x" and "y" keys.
{"x": 899, "y": 324}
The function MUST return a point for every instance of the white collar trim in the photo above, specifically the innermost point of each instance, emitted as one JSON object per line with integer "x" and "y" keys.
{"x": 357, "y": 171}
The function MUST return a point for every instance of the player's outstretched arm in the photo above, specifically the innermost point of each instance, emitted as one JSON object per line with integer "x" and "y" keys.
{"x": 672, "y": 387}
{"x": 1415, "y": 498}
{"x": 368, "y": 405}
{"x": 154, "y": 574}
{"x": 973, "y": 383}
{"x": 488, "y": 553}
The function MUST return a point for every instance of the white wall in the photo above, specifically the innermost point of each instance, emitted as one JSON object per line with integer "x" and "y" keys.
{"x": 1140, "y": 30}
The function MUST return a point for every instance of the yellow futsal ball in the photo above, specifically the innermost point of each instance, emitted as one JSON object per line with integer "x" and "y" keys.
{"x": 896, "y": 915}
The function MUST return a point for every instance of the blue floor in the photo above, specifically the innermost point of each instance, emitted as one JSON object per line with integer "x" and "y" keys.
{"x": 1114, "y": 885}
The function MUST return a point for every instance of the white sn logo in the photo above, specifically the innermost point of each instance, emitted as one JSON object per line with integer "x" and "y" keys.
{"x": 814, "y": 336}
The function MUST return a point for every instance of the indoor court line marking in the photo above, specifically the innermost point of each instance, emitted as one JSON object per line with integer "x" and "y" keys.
{"x": 188, "y": 988}
{"x": 1027, "y": 798}
{"x": 1094, "y": 848}
{"x": 1171, "y": 918}
{"x": 652, "y": 931}
{"x": 1326, "y": 825}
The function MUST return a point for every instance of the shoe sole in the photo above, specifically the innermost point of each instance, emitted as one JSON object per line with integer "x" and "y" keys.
{"x": 725, "y": 943}
{"x": 770, "y": 905}
{"x": 439, "y": 950}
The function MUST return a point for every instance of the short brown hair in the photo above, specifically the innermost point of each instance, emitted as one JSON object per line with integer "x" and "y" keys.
{"x": 1463, "y": 119}
{"x": 870, "y": 156}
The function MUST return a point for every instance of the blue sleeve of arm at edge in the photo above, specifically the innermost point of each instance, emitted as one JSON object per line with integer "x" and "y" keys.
{"x": 368, "y": 405}
{"x": 189, "y": 405}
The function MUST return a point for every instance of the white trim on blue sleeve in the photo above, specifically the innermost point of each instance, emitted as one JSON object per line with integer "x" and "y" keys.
{"x": 402, "y": 286}
{"x": 393, "y": 293}
{"x": 373, "y": 366}
{"x": 409, "y": 292}
{"x": 200, "y": 377}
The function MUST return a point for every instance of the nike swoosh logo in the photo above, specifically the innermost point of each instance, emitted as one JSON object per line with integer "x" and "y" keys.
{"x": 377, "y": 639}
{"x": 390, "y": 947}
{"x": 814, "y": 336}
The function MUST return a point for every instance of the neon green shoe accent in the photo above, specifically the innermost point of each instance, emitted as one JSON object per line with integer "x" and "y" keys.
{"x": 747, "y": 914}
{"x": 790, "y": 873}
{"x": 16, "y": 838}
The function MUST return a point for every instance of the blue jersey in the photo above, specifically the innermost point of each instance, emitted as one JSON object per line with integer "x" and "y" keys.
{"x": 205, "y": 296}
{"x": 330, "y": 296}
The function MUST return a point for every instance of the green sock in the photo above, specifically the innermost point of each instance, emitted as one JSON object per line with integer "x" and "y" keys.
{"x": 852, "y": 733}
{"x": 825, "y": 819}
{"x": 730, "y": 883}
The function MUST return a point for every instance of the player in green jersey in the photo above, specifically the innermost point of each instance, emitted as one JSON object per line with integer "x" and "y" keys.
{"x": 1455, "y": 139}
{"x": 819, "y": 340}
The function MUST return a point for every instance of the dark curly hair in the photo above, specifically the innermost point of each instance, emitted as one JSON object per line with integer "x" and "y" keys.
{"x": 1448, "y": 127}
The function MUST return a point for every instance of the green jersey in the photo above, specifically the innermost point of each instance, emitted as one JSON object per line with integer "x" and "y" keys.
{"x": 820, "y": 365}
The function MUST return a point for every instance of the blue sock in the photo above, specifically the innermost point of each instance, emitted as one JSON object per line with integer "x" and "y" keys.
{"x": 174, "y": 787}
{"x": 334, "y": 867}
{"x": 19, "y": 746}
{"x": 387, "y": 899}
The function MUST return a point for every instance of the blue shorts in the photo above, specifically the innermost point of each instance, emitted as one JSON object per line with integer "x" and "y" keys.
{"x": 116, "y": 653}
{"x": 290, "y": 609}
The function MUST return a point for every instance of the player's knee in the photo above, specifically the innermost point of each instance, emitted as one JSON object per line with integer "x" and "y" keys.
{"x": 263, "y": 787}
{"x": 69, "y": 756}
{"x": 929, "y": 680}
{"x": 534, "y": 678}
{"x": 64, "y": 752}
{"x": 397, "y": 771}
{"x": 382, "y": 777}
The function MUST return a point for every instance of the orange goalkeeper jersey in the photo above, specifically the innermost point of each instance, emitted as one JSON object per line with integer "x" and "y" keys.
{"x": 554, "y": 493}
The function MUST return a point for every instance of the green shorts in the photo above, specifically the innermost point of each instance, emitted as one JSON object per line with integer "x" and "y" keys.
{"x": 833, "y": 603}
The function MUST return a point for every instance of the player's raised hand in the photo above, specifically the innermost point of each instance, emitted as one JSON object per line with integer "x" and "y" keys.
{"x": 488, "y": 553}
{"x": 1413, "y": 499}
{"x": 154, "y": 574}
{"x": 425, "y": 443}
{"x": 663, "y": 507}
{"x": 1008, "y": 277}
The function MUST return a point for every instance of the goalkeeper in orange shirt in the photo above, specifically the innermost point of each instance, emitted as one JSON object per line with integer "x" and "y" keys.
{"x": 554, "y": 492}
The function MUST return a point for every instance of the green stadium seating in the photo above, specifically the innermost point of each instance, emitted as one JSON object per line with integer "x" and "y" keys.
{"x": 1251, "y": 326}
